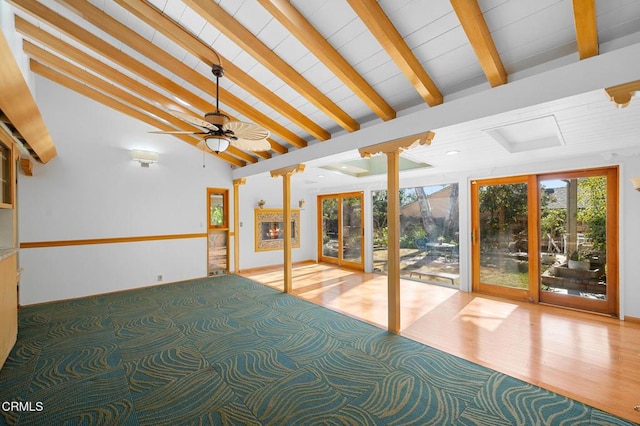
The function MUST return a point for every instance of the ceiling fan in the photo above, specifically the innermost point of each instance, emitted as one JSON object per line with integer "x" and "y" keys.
{"x": 219, "y": 131}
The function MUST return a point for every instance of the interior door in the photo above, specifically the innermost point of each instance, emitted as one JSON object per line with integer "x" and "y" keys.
{"x": 217, "y": 231}
{"x": 504, "y": 243}
{"x": 340, "y": 228}
{"x": 578, "y": 250}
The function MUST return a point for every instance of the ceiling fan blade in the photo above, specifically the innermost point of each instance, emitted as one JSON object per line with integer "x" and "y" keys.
{"x": 193, "y": 120}
{"x": 247, "y": 131}
{"x": 180, "y": 132}
{"x": 251, "y": 145}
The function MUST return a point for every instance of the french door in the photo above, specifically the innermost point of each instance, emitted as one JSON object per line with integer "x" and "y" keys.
{"x": 341, "y": 228}
{"x": 550, "y": 238}
{"x": 503, "y": 236}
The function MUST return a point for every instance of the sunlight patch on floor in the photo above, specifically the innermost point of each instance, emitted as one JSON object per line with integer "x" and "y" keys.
{"x": 486, "y": 313}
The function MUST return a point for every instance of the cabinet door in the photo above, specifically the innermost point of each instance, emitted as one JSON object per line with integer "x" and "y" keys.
{"x": 6, "y": 174}
{"x": 8, "y": 307}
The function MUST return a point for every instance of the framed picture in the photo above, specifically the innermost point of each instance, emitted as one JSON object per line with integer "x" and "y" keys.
{"x": 270, "y": 231}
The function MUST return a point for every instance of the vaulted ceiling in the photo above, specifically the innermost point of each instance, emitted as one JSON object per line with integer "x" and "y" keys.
{"x": 308, "y": 70}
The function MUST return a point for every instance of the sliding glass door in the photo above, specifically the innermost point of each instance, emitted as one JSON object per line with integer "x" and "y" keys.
{"x": 340, "y": 229}
{"x": 429, "y": 233}
{"x": 578, "y": 232}
{"x": 502, "y": 246}
{"x": 551, "y": 238}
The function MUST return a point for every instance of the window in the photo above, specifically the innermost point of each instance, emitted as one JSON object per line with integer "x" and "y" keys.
{"x": 429, "y": 233}
{"x": 217, "y": 206}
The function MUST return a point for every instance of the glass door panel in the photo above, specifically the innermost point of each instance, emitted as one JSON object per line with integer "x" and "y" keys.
{"x": 340, "y": 239}
{"x": 429, "y": 233}
{"x": 216, "y": 210}
{"x": 501, "y": 243}
{"x": 577, "y": 216}
{"x": 218, "y": 252}
{"x": 352, "y": 229}
{"x": 330, "y": 242}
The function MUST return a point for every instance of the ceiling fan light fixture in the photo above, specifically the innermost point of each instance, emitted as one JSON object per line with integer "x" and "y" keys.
{"x": 216, "y": 143}
{"x": 218, "y": 131}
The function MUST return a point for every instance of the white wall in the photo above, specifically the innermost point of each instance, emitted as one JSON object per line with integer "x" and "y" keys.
{"x": 630, "y": 238}
{"x": 264, "y": 187}
{"x": 93, "y": 189}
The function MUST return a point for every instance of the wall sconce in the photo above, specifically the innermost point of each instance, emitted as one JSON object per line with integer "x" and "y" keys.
{"x": 145, "y": 158}
{"x": 636, "y": 183}
{"x": 301, "y": 203}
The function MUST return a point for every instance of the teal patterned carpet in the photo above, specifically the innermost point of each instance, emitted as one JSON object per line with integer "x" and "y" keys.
{"x": 229, "y": 351}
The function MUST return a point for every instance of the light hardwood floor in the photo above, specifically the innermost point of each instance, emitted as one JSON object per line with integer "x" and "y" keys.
{"x": 590, "y": 358}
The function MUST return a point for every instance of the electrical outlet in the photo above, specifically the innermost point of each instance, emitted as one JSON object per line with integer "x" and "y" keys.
{"x": 160, "y": 277}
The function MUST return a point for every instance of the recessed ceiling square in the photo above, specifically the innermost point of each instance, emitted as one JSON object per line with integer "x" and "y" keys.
{"x": 371, "y": 166}
{"x": 528, "y": 135}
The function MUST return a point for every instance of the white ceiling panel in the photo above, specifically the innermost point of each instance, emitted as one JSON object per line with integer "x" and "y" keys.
{"x": 323, "y": 16}
{"x": 528, "y": 36}
{"x": 407, "y": 21}
{"x": 250, "y": 14}
{"x": 620, "y": 18}
{"x": 291, "y": 51}
{"x": 349, "y": 32}
{"x": 441, "y": 35}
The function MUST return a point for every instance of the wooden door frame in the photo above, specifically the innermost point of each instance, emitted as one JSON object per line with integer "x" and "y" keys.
{"x": 225, "y": 221}
{"x": 339, "y": 261}
{"x": 611, "y": 305}
{"x": 608, "y": 307}
{"x": 531, "y": 294}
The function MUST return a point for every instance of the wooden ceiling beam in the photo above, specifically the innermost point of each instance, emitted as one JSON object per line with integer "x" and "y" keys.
{"x": 231, "y": 28}
{"x": 622, "y": 93}
{"x": 96, "y": 44}
{"x": 388, "y": 36}
{"x": 288, "y": 170}
{"x": 584, "y": 16}
{"x": 148, "y": 13}
{"x": 276, "y": 147}
{"x": 17, "y": 103}
{"x": 306, "y": 33}
{"x": 44, "y": 57}
{"x": 76, "y": 55}
{"x": 475, "y": 27}
{"x": 122, "y": 33}
{"x": 100, "y": 97}
{"x": 32, "y": 32}
{"x": 68, "y": 69}
{"x": 397, "y": 145}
